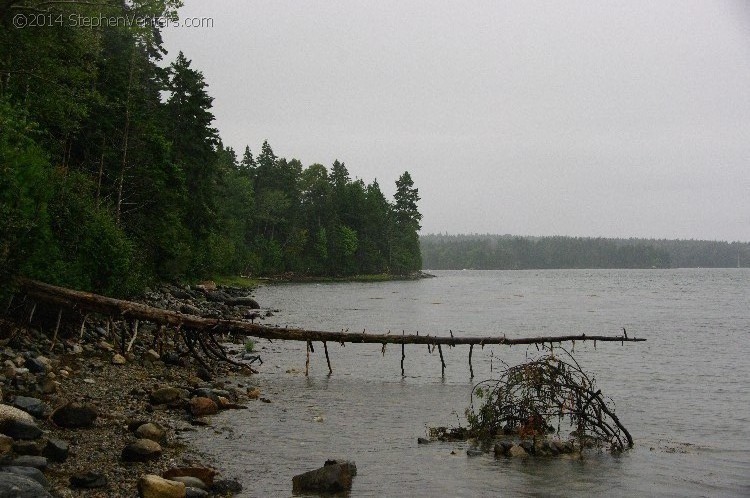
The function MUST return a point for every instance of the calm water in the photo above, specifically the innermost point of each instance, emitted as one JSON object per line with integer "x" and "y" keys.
{"x": 684, "y": 394}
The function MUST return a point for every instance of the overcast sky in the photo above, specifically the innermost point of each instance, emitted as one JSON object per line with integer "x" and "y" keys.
{"x": 615, "y": 119}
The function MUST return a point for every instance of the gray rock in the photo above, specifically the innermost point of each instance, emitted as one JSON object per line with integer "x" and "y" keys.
{"x": 18, "y": 486}
{"x": 38, "y": 462}
{"x": 327, "y": 479}
{"x": 74, "y": 415}
{"x": 88, "y": 480}
{"x": 21, "y": 429}
{"x": 190, "y": 482}
{"x": 142, "y": 450}
{"x": 195, "y": 493}
{"x": 421, "y": 440}
{"x": 517, "y": 452}
{"x": 33, "y": 406}
{"x": 30, "y": 472}
{"x": 56, "y": 450}
{"x": 244, "y": 301}
{"x": 151, "y": 431}
{"x": 35, "y": 366}
{"x": 225, "y": 486}
{"x": 502, "y": 448}
{"x": 218, "y": 296}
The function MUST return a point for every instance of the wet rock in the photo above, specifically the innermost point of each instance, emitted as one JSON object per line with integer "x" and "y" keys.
{"x": 165, "y": 395}
{"x": 205, "y": 474}
{"x": 30, "y": 472}
{"x": 327, "y": 479}
{"x": 243, "y": 301}
{"x": 473, "y": 452}
{"x": 502, "y": 448}
{"x": 18, "y": 486}
{"x": 195, "y": 493}
{"x": 201, "y": 407}
{"x": 421, "y": 440}
{"x": 88, "y": 480}
{"x": 142, "y": 450}
{"x": 151, "y": 486}
{"x": 172, "y": 358}
{"x": 203, "y": 374}
{"x": 225, "y": 486}
{"x": 56, "y": 450}
{"x": 33, "y": 406}
{"x": 528, "y": 446}
{"x": 74, "y": 415}
{"x": 151, "y": 431}
{"x": 190, "y": 482}
{"x": 517, "y": 452}
{"x": 38, "y": 462}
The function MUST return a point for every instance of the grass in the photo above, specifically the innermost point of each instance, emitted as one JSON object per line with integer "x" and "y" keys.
{"x": 250, "y": 346}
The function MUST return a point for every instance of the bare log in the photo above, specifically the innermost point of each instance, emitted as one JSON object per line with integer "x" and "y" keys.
{"x": 94, "y": 303}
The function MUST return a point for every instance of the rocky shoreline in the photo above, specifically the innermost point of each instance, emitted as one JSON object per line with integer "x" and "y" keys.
{"x": 80, "y": 419}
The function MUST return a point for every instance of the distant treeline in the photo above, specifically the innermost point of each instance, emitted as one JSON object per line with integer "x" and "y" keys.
{"x": 507, "y": 252}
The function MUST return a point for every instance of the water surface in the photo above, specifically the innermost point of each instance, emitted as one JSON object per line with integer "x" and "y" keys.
{"x": 683, "y": 394}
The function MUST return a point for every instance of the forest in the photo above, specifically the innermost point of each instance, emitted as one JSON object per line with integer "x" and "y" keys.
{"x": 508, "y": 252}
{"x": 113, "y": 176}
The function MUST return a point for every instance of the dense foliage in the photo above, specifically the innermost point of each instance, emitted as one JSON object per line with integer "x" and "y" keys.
{"x": 505, "y": 252}
{"x": 112, "y": 174}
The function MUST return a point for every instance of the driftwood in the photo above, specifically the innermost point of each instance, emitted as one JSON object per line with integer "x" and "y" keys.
{"x": 201, "y": 331}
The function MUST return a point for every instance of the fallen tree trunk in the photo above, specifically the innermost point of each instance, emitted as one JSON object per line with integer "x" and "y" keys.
{"x": 87, "y": 302}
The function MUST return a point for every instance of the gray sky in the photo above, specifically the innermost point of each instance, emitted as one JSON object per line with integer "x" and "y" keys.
{"x": 612, "y": 119}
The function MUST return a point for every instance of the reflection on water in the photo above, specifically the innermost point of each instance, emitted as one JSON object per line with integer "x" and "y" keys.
{"x": 684, "y": 394}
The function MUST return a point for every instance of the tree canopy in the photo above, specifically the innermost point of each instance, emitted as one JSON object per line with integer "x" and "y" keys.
{"x": 113, "y": 175}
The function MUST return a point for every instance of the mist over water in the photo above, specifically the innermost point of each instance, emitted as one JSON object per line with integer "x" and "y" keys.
{"x": 683, "y": 394}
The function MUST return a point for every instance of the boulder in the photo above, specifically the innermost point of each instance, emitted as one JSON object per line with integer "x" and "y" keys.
{"x": 218, "y": 296}
{"x": 151, "y": 486}
{"x": 191, "y": 482}
{"x": 142, "y": 450}
{"x": 201, "y": 407}
{"x": 195, "y": 493}
{"x": 17, "y": 423}
{"x": 74, "y": 415}
{"x": 30, "y": 472}
{"x": 165, "y": 395}
{"x": 151, "y": 431}
{"x": 38, "y": 462}
{"x": 56, "y": 450}
{"x": 35, "y": 365}
{"x": 332, "y": 478}
{"x": 243, "y": 301}
{"x": 225, "y": 487}
{"x": 205, "y": 474}
{"x": 18, "y": 486}
{"x": 517, "y": 452}
{"x": 88, "y": 480}
{"x": 33, "y": 406}
{"x": 502, "y": 448}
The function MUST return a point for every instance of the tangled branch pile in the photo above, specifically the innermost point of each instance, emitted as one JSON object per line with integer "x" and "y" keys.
{"x": 529, "y": 397}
